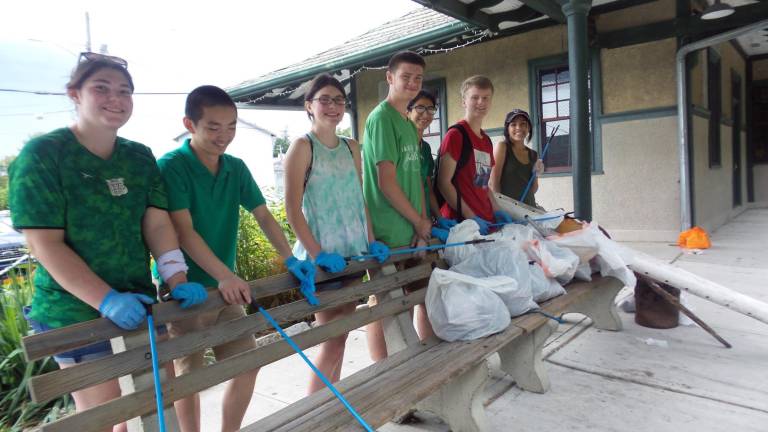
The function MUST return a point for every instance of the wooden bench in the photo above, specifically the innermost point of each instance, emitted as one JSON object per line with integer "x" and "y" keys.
{"x": 445, "y": 378}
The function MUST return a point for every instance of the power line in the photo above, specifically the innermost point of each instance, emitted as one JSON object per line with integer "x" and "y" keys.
{"x": 36, "y": 113}
{"x": 49, "y": 93}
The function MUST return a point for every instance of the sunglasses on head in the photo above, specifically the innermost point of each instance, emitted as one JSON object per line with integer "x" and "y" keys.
{"x": 92, "y": 56}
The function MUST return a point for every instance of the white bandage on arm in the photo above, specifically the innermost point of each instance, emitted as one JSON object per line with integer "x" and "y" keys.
{"x": 170, "y": 263}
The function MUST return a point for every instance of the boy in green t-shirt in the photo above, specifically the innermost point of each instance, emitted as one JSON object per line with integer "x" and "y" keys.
{"x": 392, "y": 173}
{"x": 206, "y": 188}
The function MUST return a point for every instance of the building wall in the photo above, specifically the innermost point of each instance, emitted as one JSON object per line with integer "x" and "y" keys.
{"x": 760, "y": 172}
{"x": 639, "y": 77}
{"x": 636, "y": 195}
{"x": 713, "y": 186}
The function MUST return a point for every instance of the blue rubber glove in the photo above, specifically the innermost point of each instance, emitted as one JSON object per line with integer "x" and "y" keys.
{"x": 308, "y": 291}
{"x": 483, "y": 224}
{"x": 440, "y": 234}
{"x": 380, "y": 250}
{"x": 445, "y": 223}
{"x": 502, "y": 217}
{"x": 125, "y": 309}
{"x": 299, "y": 268}
{"x": 189, "y": 294}
{"x": 330, "y": 262}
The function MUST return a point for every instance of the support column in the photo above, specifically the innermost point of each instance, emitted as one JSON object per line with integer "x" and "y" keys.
{"x": 578, "y": 59}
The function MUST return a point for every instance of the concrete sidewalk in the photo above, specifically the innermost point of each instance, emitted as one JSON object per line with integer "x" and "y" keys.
{"x": 639, "y": 379}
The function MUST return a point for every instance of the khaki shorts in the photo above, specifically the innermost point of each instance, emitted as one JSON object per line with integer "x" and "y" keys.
{"x": 204, "y": 320}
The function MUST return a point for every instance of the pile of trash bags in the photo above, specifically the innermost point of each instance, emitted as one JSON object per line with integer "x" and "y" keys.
{"x": 488, "y": 283}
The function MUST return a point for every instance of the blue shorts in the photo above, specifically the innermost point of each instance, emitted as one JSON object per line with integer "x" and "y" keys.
{"x": 78, "y": 355}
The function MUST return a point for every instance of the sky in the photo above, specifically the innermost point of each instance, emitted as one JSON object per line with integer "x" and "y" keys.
{"x": 171, "y": 46}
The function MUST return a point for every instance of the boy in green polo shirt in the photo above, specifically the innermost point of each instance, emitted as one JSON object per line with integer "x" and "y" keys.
{"x": 392, "y": 182}
{"x": 206, "y": 188}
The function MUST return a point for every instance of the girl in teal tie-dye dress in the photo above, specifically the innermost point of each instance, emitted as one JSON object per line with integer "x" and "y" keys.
{"x": 325, "y": 207}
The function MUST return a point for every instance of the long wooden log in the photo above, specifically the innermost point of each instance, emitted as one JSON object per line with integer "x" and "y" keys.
{"x": 142, "y": 402}
{"x": 56, "y": 383}
{"x": 66, "y": 338}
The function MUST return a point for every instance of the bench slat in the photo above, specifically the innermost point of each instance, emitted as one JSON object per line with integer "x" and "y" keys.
{"x": 142, "y": 402}
{"x": 392, "y": 392}
{"x": 40, "y": 345}
{"x": 53, "y": 384}
{"x": 307, "y": 404}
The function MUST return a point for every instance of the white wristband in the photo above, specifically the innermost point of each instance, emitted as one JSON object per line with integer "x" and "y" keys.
{"x": 170, "y": 263}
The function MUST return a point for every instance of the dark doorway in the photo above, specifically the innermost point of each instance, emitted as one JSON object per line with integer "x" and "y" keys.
{"x": 736, "y": 134}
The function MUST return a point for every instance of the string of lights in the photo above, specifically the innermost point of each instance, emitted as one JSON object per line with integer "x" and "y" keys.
{"x": 476, "y": 36}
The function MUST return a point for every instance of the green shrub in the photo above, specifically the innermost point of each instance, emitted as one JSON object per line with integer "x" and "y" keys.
{"x": 257, "y": 258}
{"x": 16, "y": 409}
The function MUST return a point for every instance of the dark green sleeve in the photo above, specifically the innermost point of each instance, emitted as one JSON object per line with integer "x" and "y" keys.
{"x": 250, "y": 194}
{"x": 35, "y": 193}
{"x": 157, "y": 196}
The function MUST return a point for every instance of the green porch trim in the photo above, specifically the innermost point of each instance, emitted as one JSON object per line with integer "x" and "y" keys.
{"x": 644, "y": 114}
{"x": 354, "y": 60}
{"x": 596, "y": 85}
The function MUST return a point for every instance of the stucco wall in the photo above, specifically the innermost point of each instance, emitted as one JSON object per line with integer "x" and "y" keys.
{"x": 656, "y": 11}
{"x": 713, "y": 187}
{"x": 731, "y": 61}
{"x": 639, "y": 77}
{"x": 697, "y": 81}
{"x": 637, "y": 196}
{"x": 761, "y": 184}
{"x": 760, "y": 70}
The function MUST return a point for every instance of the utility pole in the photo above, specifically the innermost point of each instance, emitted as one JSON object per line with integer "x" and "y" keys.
{"x": 87, "y": 32}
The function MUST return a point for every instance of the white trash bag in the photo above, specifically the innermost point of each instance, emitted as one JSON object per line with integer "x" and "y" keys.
{"x": 465, "y": 231}
{"x": 558, "y": 262}
{"x": 462, "y": 307}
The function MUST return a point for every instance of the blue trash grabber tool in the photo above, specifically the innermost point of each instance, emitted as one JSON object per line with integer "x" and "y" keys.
{"x": 543, "y": 155}
{"x": 314, "y": 368}
{"x": 155, "y": 368}
{"x": 418, "y": 249}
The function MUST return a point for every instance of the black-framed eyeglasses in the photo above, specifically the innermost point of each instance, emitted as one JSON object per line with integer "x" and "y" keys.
{"x": 421, "y": 109}
{"x": 327, "y": 100}
{"x": 92, "y": 56}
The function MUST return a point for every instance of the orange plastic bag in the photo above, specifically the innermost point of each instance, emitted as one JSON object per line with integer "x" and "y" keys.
{"x": 694, "y": 238}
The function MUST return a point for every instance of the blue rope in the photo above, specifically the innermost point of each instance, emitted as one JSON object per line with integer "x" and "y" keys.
{"x": 552, "y": 317}
{"x": 155, "y": 369}
{"x": 317, "y": 372}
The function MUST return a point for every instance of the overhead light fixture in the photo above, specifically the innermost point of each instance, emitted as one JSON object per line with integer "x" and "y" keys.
{"x": 716, "y": 11}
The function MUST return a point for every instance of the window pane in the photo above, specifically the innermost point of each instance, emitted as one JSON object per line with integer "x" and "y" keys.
{"x": 549, "y": 110}
{"x": 564, "y": 91}
{"x": 563, "y": 109}
{"x": 559, "y": 154}
{"x": 548, "y": 94}
{"x": 434, "y": 144}
{"x": 548, "y": 79}
{"x": 563, "y": 76}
